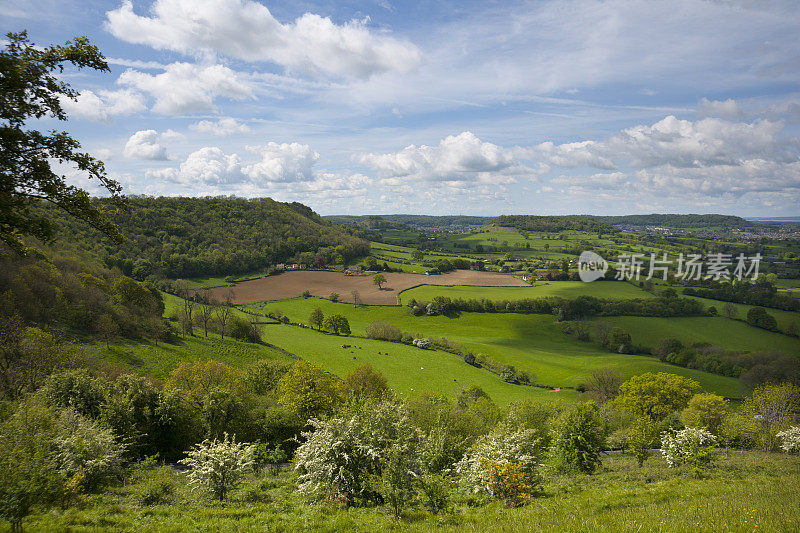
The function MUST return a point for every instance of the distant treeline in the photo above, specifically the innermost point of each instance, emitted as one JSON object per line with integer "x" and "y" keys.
{"x": 760, "y": 293}
{"x": 553, "y": 223}
{"x": 566, "y": 309}
{"x": 678, "y": 221}
{"x": 186, "y": 237}
{"x": 442, "y": 223}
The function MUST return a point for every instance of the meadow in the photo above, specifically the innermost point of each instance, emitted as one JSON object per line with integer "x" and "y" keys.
{"x": 534, "y": 343}
{"x": 540, "y": 289}
{"x": 750, "y": 491}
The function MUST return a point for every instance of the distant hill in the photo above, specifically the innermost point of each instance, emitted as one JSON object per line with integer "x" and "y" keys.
{"x": 418, "y": 222}
{"x": 186, "y": 237}
{"x": 679, "y": 221}
{"x": 553, "y": 223}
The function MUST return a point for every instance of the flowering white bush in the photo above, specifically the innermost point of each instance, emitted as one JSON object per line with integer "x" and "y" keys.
{"x": 83, "y": 446}
{"x": 790, "y": 440}
{"x": 218, "y": 465}
{"x": 342, "y": 455}
{"x": 422, "y": 343}
{"x": 501, "y": 447}
{"x": 690, "y": 446}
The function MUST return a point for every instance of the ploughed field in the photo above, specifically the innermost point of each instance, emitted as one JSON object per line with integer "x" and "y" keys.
{"x": 323, "y": 283}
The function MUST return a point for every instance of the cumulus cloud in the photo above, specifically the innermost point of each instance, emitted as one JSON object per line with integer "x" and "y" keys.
{"x": 247, "y": 30}
{"x": 144, "y": 145}
{"x": 282, "y": 162}
{"x": 211, "y": 166}
{"x": 728, "y": 109}
{"x": 461, "y": 158}
{"x": 103, "y": 105}
{"x": 184, "y": 87}
{"x": 224, "y": 127}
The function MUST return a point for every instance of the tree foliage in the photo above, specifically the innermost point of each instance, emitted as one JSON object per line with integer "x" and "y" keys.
{"x": 656, "y": 395}
{"x": 218, "y": 465}
{"x": 31, "y": 89}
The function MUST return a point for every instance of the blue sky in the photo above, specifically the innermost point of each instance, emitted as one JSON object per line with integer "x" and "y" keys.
{"x": 557, "y": 107}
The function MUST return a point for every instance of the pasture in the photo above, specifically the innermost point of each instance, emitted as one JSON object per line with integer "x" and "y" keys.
{"x": 323, "y": 283}
{"x": 541, "y": 289}
{"x": 534, "y": 343}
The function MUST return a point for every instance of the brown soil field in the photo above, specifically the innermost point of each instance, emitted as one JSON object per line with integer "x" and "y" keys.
{"x": 322, "y": 284}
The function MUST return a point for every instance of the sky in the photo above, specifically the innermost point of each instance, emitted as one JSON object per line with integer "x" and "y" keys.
{"x": 448, "y": 107}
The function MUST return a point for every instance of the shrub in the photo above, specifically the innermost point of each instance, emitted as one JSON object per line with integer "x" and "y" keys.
{"x": 264, "y": 454}
{"x": 306, "y": 294}
{"x": 641, "y": 436}
{"x": 156, "y": 490}
{"x": 690, "y": 446}
{"x": 425, "y": 344}
{"x": 365, "y": 383}
{"x": 469, "y": 358}
{"x": 218, "y": 465}
{"x": 509, "y": 374}
{"x": 578, "y": 436}
{"x": 483, "y": 469}
{"x": 383, "y": 331}
{"x": 656, "y": 395}
{"x": 770, "y": 409}
{"x": 334, "y": 297}
{"x": 244, "y": 330}
{"x": 434, "y": 491}
{"x": 395, "y": 483}
{"x": 76, "y": 389}
{"x": 407, "y": 338}
{"x": 342, "y": 456}
{"x": 308, "y": 390}
{"x": 790, "y": 440}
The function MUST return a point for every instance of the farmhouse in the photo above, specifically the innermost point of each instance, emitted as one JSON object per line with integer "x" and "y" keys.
{"x": 280, "y": 266}
{"x": 352, "y": 270}
{"x": 338, "y": 267}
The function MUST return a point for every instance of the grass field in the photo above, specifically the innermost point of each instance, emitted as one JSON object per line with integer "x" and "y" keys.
{"x": 159, "y": 361}
{"x": 529, "y": 342}
{"x": 731, "y": 334}
{"x": 749, "y": 491}
{"x": 409, "y": 370}
{"x": 563, "y": 289}
{"x": 783, "y": 318}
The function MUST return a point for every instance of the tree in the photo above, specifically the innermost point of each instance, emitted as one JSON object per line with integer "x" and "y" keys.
{"x": 656, "y": 395}
{"x": 705, "y": 410}
{"x": 730, "y": 310}
{"x": 578, "y": 436}
{"x": 365, "y": 383}
{"x": 218, "y": 465}
{"x": 758, "y": 317}
{"x": 603, "y": 384}
{"x": 641, "y": 436}
{"x": 396, "y": 482}
{"x": 308, "y": 390}
{"x": 417, "y": 255}
{"x": 31, "y": 89}
{"x": 337, "y": 324}
{"x": 772, "y": 408}
{"x": 107, "y": 327}
{"x": 205, "y": 313}
{"x": 223, "y": 313}
{"x": 316, "y": 318}
{"x": 690, "y": 446}
{"x": 379, "y": 280}
{"x": 356, "y": 298}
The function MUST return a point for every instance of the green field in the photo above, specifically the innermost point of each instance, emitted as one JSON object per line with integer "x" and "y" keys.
{"x": 733, "y": 335}
{"x": 159, "y": 361}
{"x": 750, "y": 491}
{"x": 534, "y": 343}
{"x": 541, "y": 289}
{"x": 783, "y": 318}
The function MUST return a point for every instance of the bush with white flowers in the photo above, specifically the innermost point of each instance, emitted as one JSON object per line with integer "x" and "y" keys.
{"x": 790, "y": 440}
{"x": 218, "y": 465}
{"x": 691, "y": 446}
{"x": 491, "y": 453}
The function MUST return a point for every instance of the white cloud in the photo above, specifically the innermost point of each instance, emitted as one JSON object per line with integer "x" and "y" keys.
{"x": 224, "y": 127}
{"x": 727, "y": 109}
{"x": 210, "y": 166}
{"x": 103, "y": 105}
{"x": 144, "y": 145}
{"x": 462, "y": 158}
{"x": 282, "y": 163}
{"x": 184, "y": 87}
{"x": 247, "y": 30}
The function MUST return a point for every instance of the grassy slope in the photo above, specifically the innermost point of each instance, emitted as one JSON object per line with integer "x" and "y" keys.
{"x": 408, "y": 369}
{"x": 563, "y": 289}
{"x": 784, "y": 318}
{"x": 159, "y": 361}
{"x": 719, "y": 331}
{"x": 749, "y": 491}
{"x": 530, "y": 342}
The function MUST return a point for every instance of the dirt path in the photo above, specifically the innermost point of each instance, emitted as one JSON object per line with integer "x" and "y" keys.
{"x": 291, "y": 284}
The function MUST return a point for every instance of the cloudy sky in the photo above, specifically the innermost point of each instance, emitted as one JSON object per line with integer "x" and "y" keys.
{"x": 447, "y": 107}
